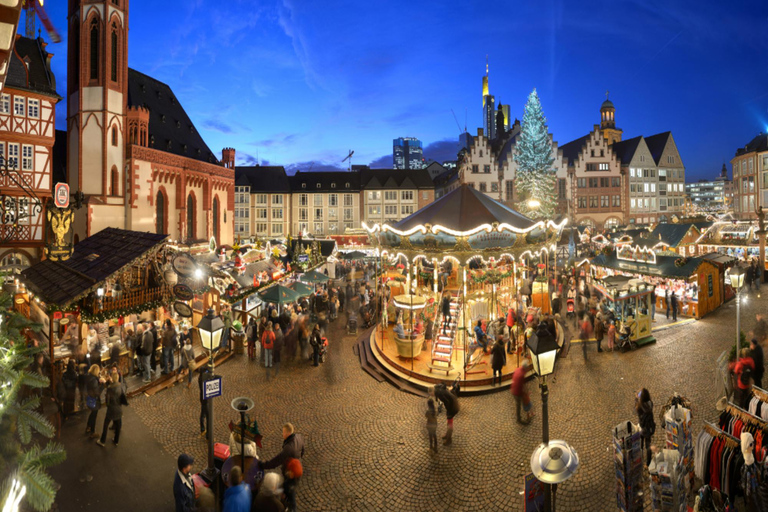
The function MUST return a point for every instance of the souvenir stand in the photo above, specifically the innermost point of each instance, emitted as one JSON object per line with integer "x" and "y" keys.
{"x": 88, "y": 302}
{"x": 723, "y": 263}
{"x": 628, "y": 463}
{"x": 630, "y": 302}
{"x": 486, "y": 242}
{"x": 679, "y": 437}
{"x": 667, "y": 471}
{"x": 696, "y": 281}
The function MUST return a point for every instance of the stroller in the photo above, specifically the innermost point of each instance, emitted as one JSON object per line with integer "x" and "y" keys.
{"x": 625, "y": 336}
{"x": 570, "y": 308}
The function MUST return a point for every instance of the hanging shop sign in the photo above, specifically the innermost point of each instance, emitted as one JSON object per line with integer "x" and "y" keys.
{"x": 64, "y": 321}
{"x": 59, "y": 233}
{"x": 61, "y": 195}
{"x": 212, "y": 388}
{"x": 184, "y": 265}
{"x": 183, "y": 292}
{"x": 182, "y": 309}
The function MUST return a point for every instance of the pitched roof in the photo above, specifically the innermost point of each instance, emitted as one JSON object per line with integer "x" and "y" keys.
{"x": 573, "y": 149}
{"x": 626, "y": 149}
{"x": 656, "y": 144}
{"x": 670, "y": 234}
{"x": 664, "y": 267}
{"x": 759, "y": 143}
{"x": 263, "y": 178}
{"x": 325, "y": 181}
{"x": 448, "y": 176}
{"x": 37, "y": 77}
{"x": 170, "y": 128}
{"x": 395, "y": 178}
{"x": 463, "y": 209}
{"x": 94, "y": 260}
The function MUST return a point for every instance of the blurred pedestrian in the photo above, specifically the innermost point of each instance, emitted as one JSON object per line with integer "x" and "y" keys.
{"x": 756, "y": 352}
{"x": 94, "y": 384}
{"x": 644, "y": 409}
{"x": 268, "y": 345}
{"x": 293, "y": 472}
{"x": 237, "y": 498}
{"x": 431, "y": 415}
{"x": 522, "y": 399}
{"x": 115, "y": 401}
{"x": 268, "y": 498}
{"x": 498, "y": 359}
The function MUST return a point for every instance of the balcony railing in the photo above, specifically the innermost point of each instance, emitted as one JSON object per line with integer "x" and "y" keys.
{"x": 132, "y": 299}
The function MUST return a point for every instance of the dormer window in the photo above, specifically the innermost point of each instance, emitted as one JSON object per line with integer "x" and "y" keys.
{"x": 168, "y": 144}
{"x": 162, "y": 118}
{"x": 333, "y": 185}
{"x": 152, "y": 140}
{"x": 178, "y": 124}
{"x": 346, "y": 185}
{"x": 303, "y": 185}
{"x": 318, "y": 185}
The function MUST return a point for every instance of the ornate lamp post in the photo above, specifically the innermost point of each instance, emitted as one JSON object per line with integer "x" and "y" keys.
{"x": 553, "y": 463}
{"x": 736, "y": 274}
{"x": 210, "y": 329}
{"x": 543, "y": 348}
{"x": 242, "y": 404}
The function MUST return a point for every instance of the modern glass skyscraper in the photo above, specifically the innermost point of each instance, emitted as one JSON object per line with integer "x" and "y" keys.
{"x": 407, "y": 153}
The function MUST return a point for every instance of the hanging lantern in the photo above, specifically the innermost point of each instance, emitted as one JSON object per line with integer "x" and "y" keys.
{"x": 117, "y": 291}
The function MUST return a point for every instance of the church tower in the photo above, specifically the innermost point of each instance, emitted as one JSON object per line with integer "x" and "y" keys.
{"x": 608, "y": 122}
{"x": 97, "y": 95}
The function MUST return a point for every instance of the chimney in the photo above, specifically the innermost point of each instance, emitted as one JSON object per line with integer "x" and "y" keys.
{"x": 228, "y": 157}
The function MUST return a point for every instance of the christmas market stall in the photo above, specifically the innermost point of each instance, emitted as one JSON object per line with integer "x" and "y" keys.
{"x": 673, "y": 239}
{"x": 89, "y": 303}
{"x": 737, "y": 239}
{"x": 695, "y": 281}
{"x": 629, "y": 302}
{"x": 475, "y": 254}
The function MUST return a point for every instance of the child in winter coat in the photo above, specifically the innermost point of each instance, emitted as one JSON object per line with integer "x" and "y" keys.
{"x": 611, "y": 335}
{"x": 431, "y": 415}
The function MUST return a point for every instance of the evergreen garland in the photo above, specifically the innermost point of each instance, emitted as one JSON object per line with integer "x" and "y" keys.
{"x": 535, "y": 178}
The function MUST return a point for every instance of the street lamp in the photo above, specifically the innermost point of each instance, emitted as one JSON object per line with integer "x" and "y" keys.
{"x": 554, "y": 463}
{"x": 210, "y": 329}
{"x": 543, "y": 347}
{"x": 736, "y": 275}
{"x": 242, "y": 404}
{"x": 533, "y": 203}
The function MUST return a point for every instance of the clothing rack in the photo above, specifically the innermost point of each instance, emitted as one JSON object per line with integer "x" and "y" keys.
{"x": 733, "y": 408}
{"x": 718, "y": 432}
{"x": 760, "y": 393}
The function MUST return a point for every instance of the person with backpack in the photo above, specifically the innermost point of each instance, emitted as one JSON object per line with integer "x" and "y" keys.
{"x": 169, "y": 340}
{"x": 268, "y": 344}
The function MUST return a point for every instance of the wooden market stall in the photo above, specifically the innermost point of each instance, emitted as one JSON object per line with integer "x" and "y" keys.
{"x": 629, "y": 300}
{"x": 696, "y": 281}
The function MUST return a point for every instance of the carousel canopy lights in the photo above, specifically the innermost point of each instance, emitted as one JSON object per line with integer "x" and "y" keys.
{"x": 410, "y": 301}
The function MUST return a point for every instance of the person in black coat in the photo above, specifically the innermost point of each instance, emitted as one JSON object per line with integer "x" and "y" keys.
{"x": 446, "y": 309}
{"x": 498, "y": 359}
{"x": 756, "y": 351}
{"x": 115, "y": 401}
{"x": 183, "y": 486}
{"x": 68, "y": 390}
{"x": 93, "y": 386}
{"x": 673, "y": 299}
{"x": 644, "y": 409}
{"x": 451, "y": 403}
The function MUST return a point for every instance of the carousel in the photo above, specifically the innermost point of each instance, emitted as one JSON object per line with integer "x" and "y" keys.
{"x": 451, "y": 272}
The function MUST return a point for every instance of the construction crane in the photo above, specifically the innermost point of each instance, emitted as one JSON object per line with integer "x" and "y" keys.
{"x": 32, "y": 7}
{"x": 349, "y": 157}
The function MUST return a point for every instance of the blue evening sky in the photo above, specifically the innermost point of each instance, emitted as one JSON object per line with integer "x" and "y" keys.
{"x": 299, "y": 83}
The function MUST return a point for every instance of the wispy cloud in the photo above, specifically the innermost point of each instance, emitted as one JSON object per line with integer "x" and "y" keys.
{"x": 287, "y": 22}
{"x": 219, "y": 126}
{"x": 277, "y": 140}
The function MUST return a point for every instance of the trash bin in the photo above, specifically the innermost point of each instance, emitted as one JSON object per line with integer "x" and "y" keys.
{"x": 238, "y": 341}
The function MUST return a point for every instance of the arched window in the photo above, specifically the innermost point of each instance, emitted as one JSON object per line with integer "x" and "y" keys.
{"x": 191, "y": 221}
{"x": 114, "y": 135}
{"x": 161, "y": 213}
{"x": 94, "y": 43}
{"x": 114, "y": 182}
{"x": 216, "y": 219}
{"x": 113, "y": 60}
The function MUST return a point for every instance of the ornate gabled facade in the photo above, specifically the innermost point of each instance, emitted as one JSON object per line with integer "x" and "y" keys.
{"x": 132, "y": 149}
{"x": 27, "y": 134}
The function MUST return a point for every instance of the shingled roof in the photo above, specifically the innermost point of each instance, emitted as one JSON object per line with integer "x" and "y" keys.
{"x": 759, "y": 143}
{"x": 170, "y": 128}
{"x": 669, "y": 234}
{"x": 36, "y": 75}
{"x": 626, "y": 149}
{"x": 395, "y": 178}
{"x": 93, "y": 261}
{"x": 656, "y": 144}
{"x": 325, "y": 181}
{"x": 664, "y": 267}
{"x": 463, "y": 209}
{"x": 263, "y": 178}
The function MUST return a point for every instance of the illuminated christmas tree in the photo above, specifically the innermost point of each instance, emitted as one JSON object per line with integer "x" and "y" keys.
{"x": 535, "y": 180}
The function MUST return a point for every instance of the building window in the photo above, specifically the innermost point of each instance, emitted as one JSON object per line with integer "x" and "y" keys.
{"x": 616, "y": 201}
{"x": 406, "y": 195}
{"x": 277, "y": 213}
{"x": 348, "y": 201}
{"x": 631, "y": 172}
{"x": 374, "y": 195}
{"x": 670, "y": 160}
{"x": 261, "y": 228}
{"x": 94, "y": 50}
{"x": 582, "y": 201}
{"x": 5, "y": 104}
{"x": 216, "y": 219}
{"x": 333, "y": 185}
{"x": 318, "y": 213}
{"x": 390, "y": 195}
{"x": 26, "y": 157}
{"x": 18, "y": 106}
{"x": 161, "y": 212}
{"x": 603, "y": 166}
{"x": 604, "y": 202}
{"x": 487, "y": 169}
{"x": 319, "y": 229}
{"x": 13, "y": 155}
{"x": 262, "y": 198}
{"x": 277, "y": 229}
{"x": 509, "y": 189}
{"x": 277, "y": 199}
{"x": 114, "y": 182}
{"x": 191, "y": 217}
{"x": 303, "y": 214}
{"x": 303, "y": 226}
{"x": 33, "y": 108}
{"x": 333, "y": 200}
{"x": 593, "y": 201}
{"x": 113, "y": 60}
{"x": 114, "y": 135}
{"x": 632, "y": 203}
{"x": 348, "y": 214}
{"x": 425, "y": 195}
{"x": 482, "y": 187}
{"x": 374, "y": 211}
{"x": 406, "y": 209}
{"x": 332, "y": 213}
{"x": 494, "y": 187}
{"x": 390, "y": 210}
{"x": 475, "y": 169}
{"x": 605, "y": 182}
{"x": 594, "y": 182}
{"x": 261, "y": 213}
{"x": 318, "y": 200}
{"x": 303, "y": 200}
{"x": 317, "y": 186}
{"x": 561, "y": 188}
{"x": 581, "y": 182}
{"x": 615, "y": 182}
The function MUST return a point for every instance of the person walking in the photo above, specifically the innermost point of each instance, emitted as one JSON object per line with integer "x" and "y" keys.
{"x": 644, "y": 409}
{"x": 743, "y": 372}
{"x": 237, "y": 498}
{"x": 155, "y": 345}
{"x": 278, "y": 348}
{"x": 183, "y": 486}
{"x": 292, "y": 473}
{"x": 760, "y": 330}
{"x": 667, "y": 301}
{"x": 68, "y": 391}
{"x": 673, "y": 297}
{"x": 451, "y": 403}
{"x": 756, "y": 352}
{"x": 94, "y": 384}
{"x": 611, "y": 334}
{"x": 445, "y": 306}
{"x": 146, "y": 353}
{"x": 188, "y": 356}
{"x": 268, "y": 498}
{"x": 293, "y": 448}
{"x": 202, "y": 376}
{"x": 431, "y": 415}
{"x": 169, "y": 340}
{"x": 498, "y": 359}
{"x": 316, "y": 341}
{"x": 226, "y": 317}
{"x": 522, "y": 399}
{"x": 599, "y": 331}
{"x": 268, "y": 345}
{"x": 115, "y": 401}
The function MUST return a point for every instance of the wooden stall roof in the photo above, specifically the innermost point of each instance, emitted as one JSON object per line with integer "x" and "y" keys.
{"x": 94, "y": 259}
{"x": 664, "y": 267}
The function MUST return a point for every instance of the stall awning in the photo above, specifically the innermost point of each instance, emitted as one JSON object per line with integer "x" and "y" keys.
{"x": 94, "y": 260}
{"x": 665, "y": 266}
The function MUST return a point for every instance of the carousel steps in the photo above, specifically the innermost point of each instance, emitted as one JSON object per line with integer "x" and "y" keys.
{"x": 373, "y": 368}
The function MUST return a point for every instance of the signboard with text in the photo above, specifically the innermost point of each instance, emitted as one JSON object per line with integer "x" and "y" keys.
{"x": 212, "y": 388}
{"x": 533, "y": 499}
{"x": 61, "y": 195}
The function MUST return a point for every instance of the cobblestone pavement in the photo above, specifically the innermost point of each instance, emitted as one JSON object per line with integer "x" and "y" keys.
{"x": 366, "y": 443}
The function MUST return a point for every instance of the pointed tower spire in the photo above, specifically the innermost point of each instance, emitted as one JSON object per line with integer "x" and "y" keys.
{"x": 485, "y": 80}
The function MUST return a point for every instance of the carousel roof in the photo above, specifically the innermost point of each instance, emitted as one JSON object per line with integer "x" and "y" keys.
{"x": 464, "y": 209}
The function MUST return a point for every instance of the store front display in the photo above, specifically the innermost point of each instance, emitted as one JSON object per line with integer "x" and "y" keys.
{"x": 629, "y": 303}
